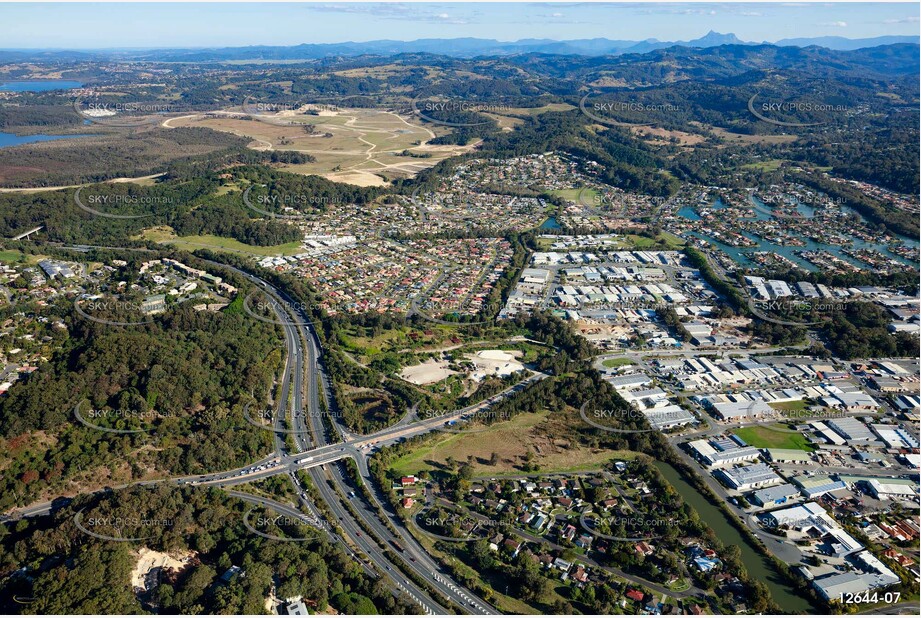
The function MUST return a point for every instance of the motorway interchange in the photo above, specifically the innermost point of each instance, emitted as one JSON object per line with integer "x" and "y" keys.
{"x": 316, "y": 448}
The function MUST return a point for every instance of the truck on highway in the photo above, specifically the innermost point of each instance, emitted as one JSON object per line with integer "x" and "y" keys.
{"x": 398, "y": 546}
{"x": 303, "y": 460}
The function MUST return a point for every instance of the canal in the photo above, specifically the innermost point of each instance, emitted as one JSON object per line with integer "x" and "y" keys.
{"x": 757, "y": 565}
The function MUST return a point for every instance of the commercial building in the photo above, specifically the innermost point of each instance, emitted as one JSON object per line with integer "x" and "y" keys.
{"x": 852, "y": 430}
{"x": 851, "y": 402}
{"x": 536, "y": 276}
{"x": 894, "y": 436}
{"x": 56, "y": 269}
{"x": 717, "y": 453}
{"x": 667, "y": 417}
{"x": 835, "y": 586}
{"x": 736, "y": 410}
{"x": 748, "y": 477}
{"x": 787, "y": 455}
{"x": 811, "y": 519}
{"x": 772, "y": 496}
{"x": 796, "y": 517}
{"x": 892, "y": 489}
{"x": 815, "y": 486}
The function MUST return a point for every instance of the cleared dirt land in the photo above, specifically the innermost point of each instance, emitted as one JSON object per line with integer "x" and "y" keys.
{"x": 429, "y": 372}
{"x": 356, "y": 146}
{"x": 149, "y": 560}
{"x": 511, "y": 440}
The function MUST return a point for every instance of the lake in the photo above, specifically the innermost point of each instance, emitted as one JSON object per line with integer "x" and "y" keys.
{"x": 550, "y": 224}
{"x": 758, "y": 566}
{"x": 40, "y": 85}
{"x": 10, "y": 139}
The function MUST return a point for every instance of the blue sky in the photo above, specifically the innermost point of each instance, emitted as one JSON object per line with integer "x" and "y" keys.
{"x": 105, "y": 25}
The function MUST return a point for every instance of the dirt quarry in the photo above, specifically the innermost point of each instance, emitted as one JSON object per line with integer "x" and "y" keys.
{"x": 150, "y": 563}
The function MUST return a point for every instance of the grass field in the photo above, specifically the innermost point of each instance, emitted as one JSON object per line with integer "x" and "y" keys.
{"x": 589, "y": 197}
{"x": 616, "y": 362}
{"x": 771, "y": 165}
{"x": 744, "y": 139}
{"x": 790, "y": 406}
{"x": 357, "y": 146}
{"x": 11, "y": 256}
{"x": 765, "y": 437}
{"x": 166, "y": 236}
{"x": 670, "y": 240}
{"x": 511, "y": 441}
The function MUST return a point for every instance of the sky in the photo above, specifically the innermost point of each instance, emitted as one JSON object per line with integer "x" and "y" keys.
{"x": 121, "y": 25}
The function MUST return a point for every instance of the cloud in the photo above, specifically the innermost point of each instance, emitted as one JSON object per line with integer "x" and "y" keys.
{"x": 557, "y": 15}
{"x": 833, "y": 24}
{"x": 751, "y": 13}
{"x": 391, "y": 10}
{"x": 903, "y": 20}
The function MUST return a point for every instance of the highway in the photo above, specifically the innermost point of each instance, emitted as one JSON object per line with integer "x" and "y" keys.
{"x": 419, "y": 561}
{"x": 314, "y": 439}
{"x": 297, "y": 336}
{"x": 322, "y": 456}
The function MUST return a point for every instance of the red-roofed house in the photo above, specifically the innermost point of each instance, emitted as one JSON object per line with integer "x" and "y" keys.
{"x": 635, "y": 595}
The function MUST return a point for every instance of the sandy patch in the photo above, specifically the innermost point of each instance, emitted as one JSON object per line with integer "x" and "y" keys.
{"x": 362, "y": 179}
{"x": 494, "y": 363}
{"x": 659, "y": 134}
{"x": 149, "y": 560}
{"x": 429, "y": 372}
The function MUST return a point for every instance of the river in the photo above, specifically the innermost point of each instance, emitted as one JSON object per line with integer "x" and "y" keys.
{"x": 10, "y": 139}
{"x": 757, "y": 565}
{"x": 761, "y": 211}
{"x": 39, "y": 85}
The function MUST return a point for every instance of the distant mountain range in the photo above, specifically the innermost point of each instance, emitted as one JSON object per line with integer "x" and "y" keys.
{"x": 459, "y": 48}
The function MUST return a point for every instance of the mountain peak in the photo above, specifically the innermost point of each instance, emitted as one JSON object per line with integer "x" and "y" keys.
{"x": 713, "y": 38}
